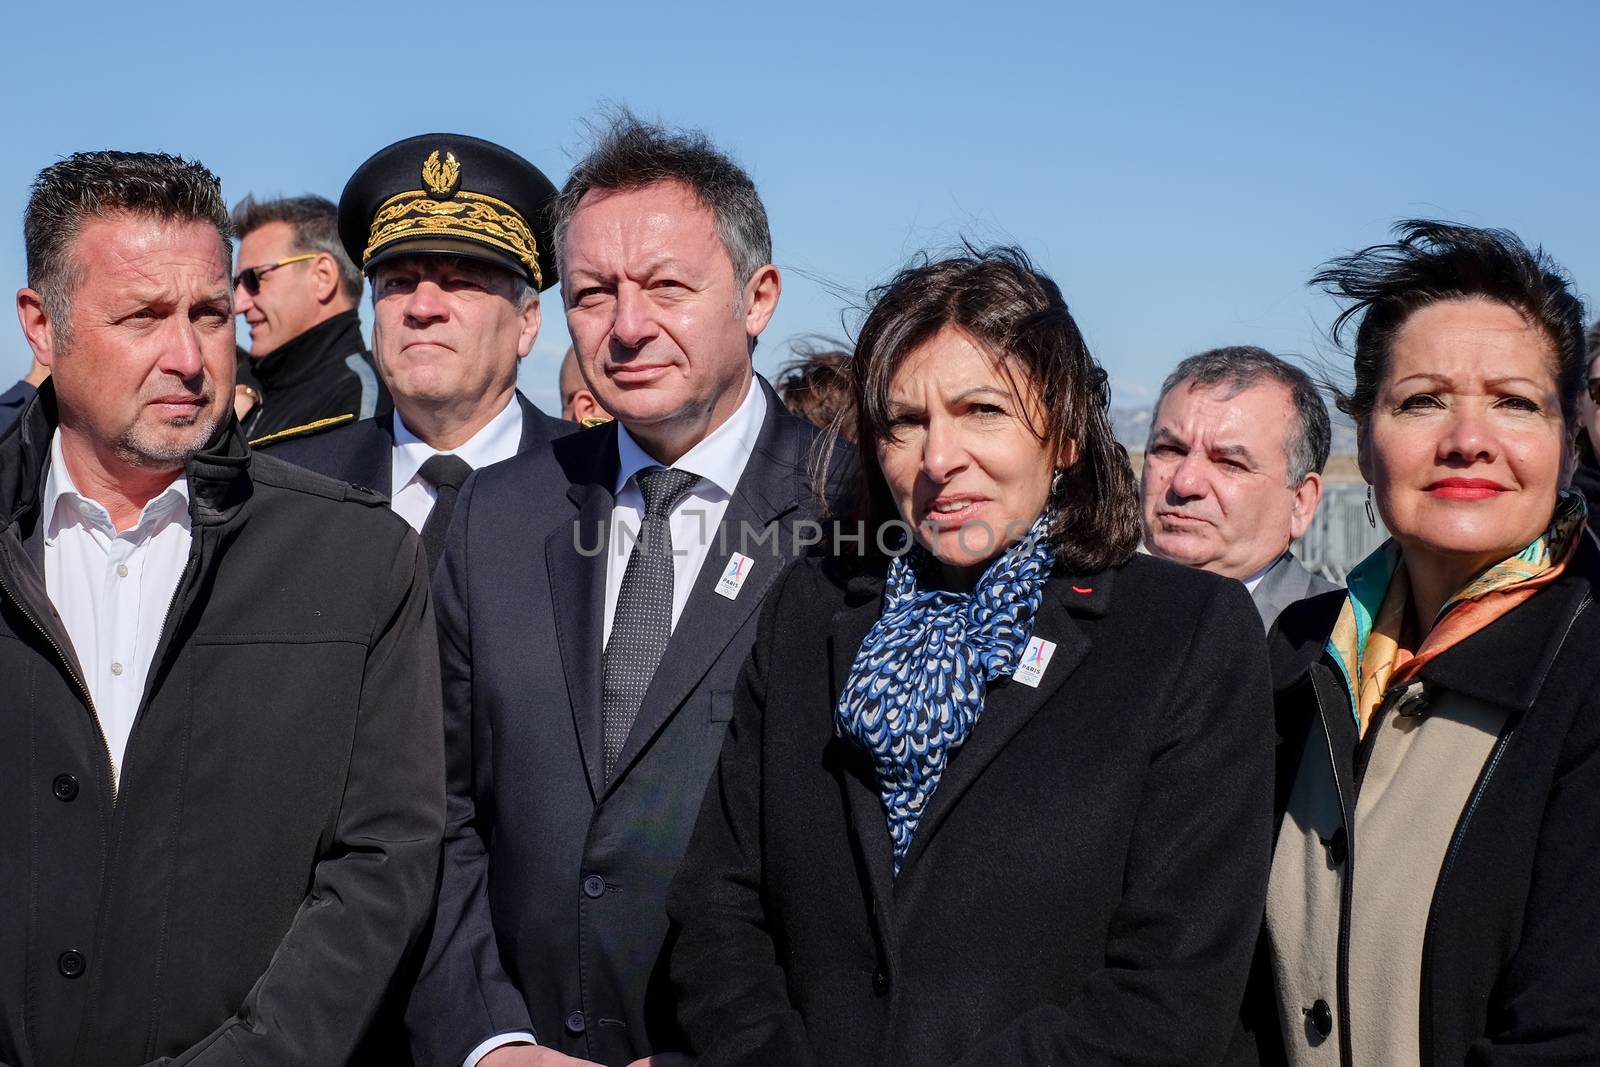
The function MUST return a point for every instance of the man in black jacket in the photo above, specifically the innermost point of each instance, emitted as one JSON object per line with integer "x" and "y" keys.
{"x": 296, "y": 290}
{"x": 454, "y": 233}
{"x": 221, "y": 771}
{"x": 597, "y": 599}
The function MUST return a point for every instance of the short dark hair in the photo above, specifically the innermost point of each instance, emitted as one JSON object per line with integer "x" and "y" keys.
{"x": 315, "y": 222}
{"x": 1434, "y": 261}
{"x": 816, "y": 385}
{"x": 1017, "y": 314}
{"x": 630, "y": 154}
{"x": 1240, "y": 367}
{"x": 91, "y": 185}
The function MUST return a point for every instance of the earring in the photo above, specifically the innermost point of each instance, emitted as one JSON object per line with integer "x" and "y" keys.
{"x": 1372, "y": 518}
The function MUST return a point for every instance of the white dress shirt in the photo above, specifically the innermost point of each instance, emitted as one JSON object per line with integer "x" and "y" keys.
{"x": 413, "y": 498}
{"x": 719, "y": 459}
{"x": 112, "y": 590}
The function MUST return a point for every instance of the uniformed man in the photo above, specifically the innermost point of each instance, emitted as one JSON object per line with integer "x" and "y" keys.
{"x": 453, "y": 233}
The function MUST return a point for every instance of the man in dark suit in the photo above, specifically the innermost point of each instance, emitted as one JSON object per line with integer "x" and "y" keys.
{"x": 1233, "y": 471}
{"x": 600, "y": 597}
{"x": 454, "y": 234}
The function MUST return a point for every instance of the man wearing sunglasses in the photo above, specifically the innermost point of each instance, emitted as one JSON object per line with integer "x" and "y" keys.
{"x": 455, "y": 236}
{"x": 296, "y": 290}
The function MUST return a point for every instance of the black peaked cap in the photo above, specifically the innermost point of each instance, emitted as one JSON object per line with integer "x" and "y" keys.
{"x": 454, "y": 195}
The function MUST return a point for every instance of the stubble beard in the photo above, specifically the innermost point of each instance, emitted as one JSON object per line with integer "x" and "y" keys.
{"x": 159, "y": 448}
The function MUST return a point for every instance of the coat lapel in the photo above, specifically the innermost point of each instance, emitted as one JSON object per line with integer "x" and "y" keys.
{"x": 1008, "y": 705}
{"x": 576, "y": 556}
{"x": 857, "y": 778}
{"x": 768, "y": 490}
{"x": 372, "y": 455}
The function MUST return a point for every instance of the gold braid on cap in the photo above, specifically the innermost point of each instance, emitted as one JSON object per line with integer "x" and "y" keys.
{"x": 471, "y": 216}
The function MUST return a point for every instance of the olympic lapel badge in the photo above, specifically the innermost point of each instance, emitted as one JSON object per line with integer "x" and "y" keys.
{"x": 733, "y": 575}
{"x": 1035, "y": 658}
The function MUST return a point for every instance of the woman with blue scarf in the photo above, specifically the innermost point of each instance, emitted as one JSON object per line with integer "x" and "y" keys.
{"x": 996, "y": 789}
{"x": 1435, "y": 889}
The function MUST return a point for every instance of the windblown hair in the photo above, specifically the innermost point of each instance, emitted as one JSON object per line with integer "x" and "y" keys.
{"x": 1017, "y": 315}
{"x": 315, "y": 221}
{"x": 1240, "y": 367}
{"x": 816, "y": 386}
{"x": 87, "y": 186}
{"x": 1434, "y": 261}
{"x": 632, "y": 154}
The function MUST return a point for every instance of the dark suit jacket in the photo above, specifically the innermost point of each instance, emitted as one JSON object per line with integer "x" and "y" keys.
{"x": 361, "y": 452}
{"x": 552, "y": 911}
{"x": 1086, "y": 882}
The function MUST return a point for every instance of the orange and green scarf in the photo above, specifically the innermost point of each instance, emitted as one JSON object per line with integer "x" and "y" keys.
{"x": 1367, "y": 643}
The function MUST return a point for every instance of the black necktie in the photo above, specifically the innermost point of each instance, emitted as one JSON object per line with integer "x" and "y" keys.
{"x": 642, "y": 620}
{"x": 445, "y": 473}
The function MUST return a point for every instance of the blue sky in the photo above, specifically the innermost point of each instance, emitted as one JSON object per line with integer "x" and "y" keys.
{"x": 1179, "y": 169}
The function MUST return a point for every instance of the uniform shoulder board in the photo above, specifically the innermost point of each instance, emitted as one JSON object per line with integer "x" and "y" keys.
{"x": 305, "y": 430}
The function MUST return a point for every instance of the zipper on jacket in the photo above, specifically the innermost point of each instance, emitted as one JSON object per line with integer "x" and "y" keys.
{"x": 66, "y": 661}
{"x": 1346, "y": 890}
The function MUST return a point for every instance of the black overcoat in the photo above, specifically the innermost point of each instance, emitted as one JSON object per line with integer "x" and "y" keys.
{"x": 1086, "y": 883}
{"x": 1511, "y": 959}
{"x": 272, "y": 852}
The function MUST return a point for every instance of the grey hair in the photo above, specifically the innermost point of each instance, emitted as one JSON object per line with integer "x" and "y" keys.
{"x": 631, "y": 154}
{"x": 87, "y": 186}
{"x": 315, "y": 222}
{"x": 1240, "y": 367}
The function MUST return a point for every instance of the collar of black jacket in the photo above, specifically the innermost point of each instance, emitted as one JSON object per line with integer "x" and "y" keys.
{"x": 1085, "y": 595}
{"x": 219, "y": 474}
{"x": 304, "y": 356}
{"x": 1505, "y": 663}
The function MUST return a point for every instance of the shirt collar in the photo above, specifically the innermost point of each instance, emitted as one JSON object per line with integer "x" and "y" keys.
{"x": 719, "y": 457}
{"x": 1254, "y": 580}
{"x": 498, "y": 440}
{"x": 64, "y": 503}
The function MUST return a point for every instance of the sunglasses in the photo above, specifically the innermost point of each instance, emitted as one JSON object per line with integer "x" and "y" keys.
{"x": 1594, "y": 391}
{"x": 250, "y": 277}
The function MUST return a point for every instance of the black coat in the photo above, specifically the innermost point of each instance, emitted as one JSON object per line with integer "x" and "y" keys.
{"x": 1511, "y": 959}
{"x": 273, "y": 848}
{"x": 323, "y": 373}
{"x": 1084, "y": 887}
{"x": 362, "y": 453}
{"x": 552, "y": 911}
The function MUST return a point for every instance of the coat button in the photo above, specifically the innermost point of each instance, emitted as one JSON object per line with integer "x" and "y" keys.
{"x": 1339, "y": 847}
{"x": 880, "y": 981}
{"x": 575, "y": 1023}
{"x": 65, "y": 787}
{"x": 71, "y": 964}
{"x": 1321, "y": 1017}
{"x": 594, "y": 886}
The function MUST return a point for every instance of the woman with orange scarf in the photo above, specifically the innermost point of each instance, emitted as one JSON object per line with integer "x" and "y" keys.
{"x": 1435, "y": 887}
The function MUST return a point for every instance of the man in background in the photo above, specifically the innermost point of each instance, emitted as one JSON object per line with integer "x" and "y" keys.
{"x": 296, "y": 290}
{"x": 577, "y": 401}
{"x": 1233, "y": 471}
{"x": 13, "y": 400}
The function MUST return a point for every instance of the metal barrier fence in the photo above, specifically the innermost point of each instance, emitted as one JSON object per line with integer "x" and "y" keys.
{"x": 1339, "y": 536}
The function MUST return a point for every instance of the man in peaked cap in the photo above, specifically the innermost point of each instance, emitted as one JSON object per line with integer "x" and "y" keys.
{"x": 454, "y": 235}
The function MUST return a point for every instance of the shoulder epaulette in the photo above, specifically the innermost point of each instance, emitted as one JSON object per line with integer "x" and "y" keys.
{"x": 302, "y": 431}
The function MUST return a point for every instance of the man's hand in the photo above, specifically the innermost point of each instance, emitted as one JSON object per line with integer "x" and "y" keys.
{"x": 664, "y": 1059}
{"x": 531, "y": 1056}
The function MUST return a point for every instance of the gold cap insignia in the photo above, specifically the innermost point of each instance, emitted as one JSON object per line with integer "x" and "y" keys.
{"x": 442, "y": 179}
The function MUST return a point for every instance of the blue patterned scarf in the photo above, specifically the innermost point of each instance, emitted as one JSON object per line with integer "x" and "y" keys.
{"x": 916, "y": 686}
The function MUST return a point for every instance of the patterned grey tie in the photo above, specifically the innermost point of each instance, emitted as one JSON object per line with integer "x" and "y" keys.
{"x": 642, "y": 620}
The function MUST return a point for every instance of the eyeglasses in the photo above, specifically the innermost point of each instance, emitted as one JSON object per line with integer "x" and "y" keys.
{"x": 1594, "y": 391}
{"x": 250, "y": 277}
